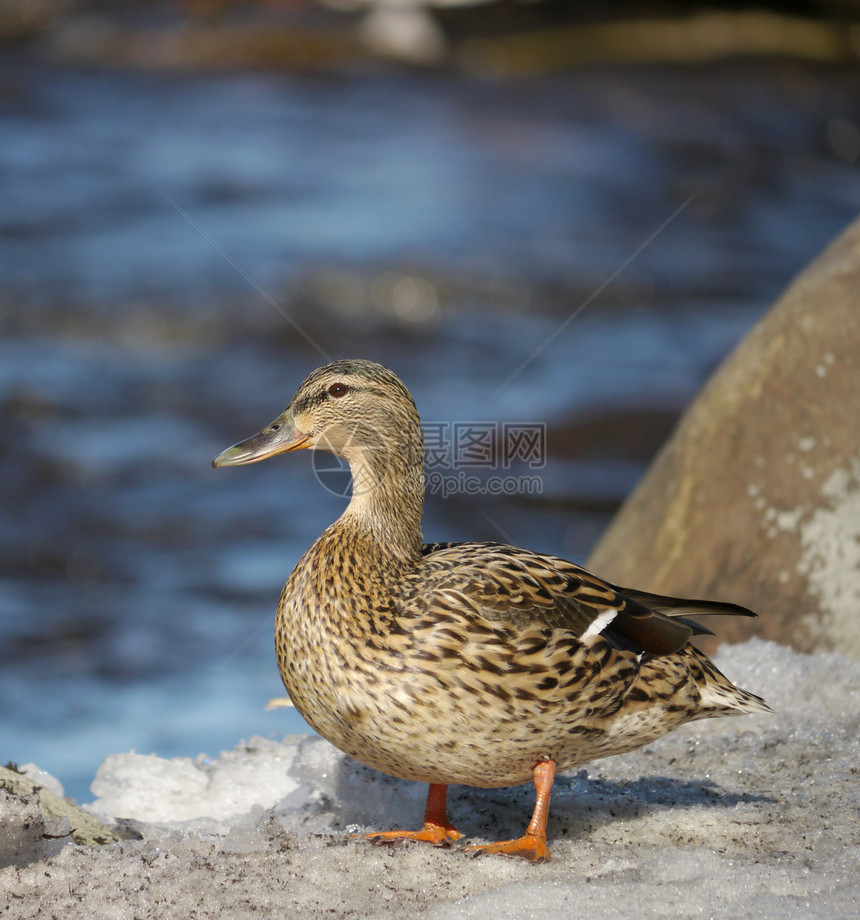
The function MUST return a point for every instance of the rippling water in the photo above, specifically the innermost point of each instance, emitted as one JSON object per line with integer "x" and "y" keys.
{"x": 176, "y": 254}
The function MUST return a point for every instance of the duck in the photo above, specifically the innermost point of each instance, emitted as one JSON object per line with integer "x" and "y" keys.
{"x": 473, "y": 663}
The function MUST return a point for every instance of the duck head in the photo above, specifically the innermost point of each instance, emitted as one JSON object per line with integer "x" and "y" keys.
{"x": 358, "y": 410}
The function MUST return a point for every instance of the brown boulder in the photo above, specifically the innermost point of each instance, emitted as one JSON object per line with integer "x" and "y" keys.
{"x": 755, "y": 498}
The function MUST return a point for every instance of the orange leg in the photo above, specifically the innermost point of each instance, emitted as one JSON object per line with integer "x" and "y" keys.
{"x": 532, "y": 845}
{"x": 436, "y": 830}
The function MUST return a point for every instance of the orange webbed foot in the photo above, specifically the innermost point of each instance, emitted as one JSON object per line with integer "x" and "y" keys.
{"x": 438, "y": 835}
{"x": 529, "y": 846}
{"x": 437, "y": 829}
{"x": 532, "y": 845}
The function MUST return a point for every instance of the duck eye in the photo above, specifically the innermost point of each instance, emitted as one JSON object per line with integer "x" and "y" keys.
{"x": 338, "y": 389}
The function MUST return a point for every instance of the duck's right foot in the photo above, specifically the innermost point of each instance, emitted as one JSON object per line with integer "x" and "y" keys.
{"x": 439, "y": 835}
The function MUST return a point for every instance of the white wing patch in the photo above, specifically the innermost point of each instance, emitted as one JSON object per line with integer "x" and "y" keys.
{"x": 600, "y": 623}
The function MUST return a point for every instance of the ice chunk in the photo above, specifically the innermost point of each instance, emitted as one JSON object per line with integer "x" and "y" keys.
{"x": 41, "y": 778}
{"x": 26, "y": 833}
{"x": 247, "y": 835}
{"x": 202, "y": 793}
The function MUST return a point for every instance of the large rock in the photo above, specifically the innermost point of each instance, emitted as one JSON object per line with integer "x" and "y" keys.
{"x": 756, "y": 496}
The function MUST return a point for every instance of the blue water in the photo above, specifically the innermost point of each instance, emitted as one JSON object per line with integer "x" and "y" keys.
{"x": 160, "y": 240}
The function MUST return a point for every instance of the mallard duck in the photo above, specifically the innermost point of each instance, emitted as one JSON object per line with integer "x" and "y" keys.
{"x": 474, "y": 663}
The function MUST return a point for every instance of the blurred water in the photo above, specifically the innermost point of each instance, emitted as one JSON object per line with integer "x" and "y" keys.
{"x": 444, "y": 226}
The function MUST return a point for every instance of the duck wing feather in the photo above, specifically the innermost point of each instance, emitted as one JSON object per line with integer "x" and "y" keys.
{"x": 520, "y": 587}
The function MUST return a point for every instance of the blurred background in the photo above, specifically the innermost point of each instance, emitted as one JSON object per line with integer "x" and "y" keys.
{"x": 535, "y": 212}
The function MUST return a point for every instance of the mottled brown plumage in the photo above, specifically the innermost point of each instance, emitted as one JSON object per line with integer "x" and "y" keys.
{"x": 472, "y": 663}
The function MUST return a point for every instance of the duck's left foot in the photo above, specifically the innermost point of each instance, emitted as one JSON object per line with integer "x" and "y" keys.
{"x": 532, "y": 845}
{"x": 439, "y": 835}
{"x": 529, "y": 847}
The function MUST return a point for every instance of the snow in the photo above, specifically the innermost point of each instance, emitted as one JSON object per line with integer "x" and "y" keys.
{"x": 202, "y": 794}
{"x": 757, "y": 816}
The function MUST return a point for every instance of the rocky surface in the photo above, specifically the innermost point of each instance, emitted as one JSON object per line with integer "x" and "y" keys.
{"x": 37, "y": 821}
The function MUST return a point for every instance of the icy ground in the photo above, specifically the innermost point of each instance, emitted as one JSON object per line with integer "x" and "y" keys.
{"x": 755, "y": 817}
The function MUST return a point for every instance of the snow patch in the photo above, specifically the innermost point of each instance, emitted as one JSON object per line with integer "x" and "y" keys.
{"x": 200, "y": 794}
{"x": 755, "y": 816}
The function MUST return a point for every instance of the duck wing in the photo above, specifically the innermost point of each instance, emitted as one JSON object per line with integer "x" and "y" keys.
{"x": 506, "y": 583}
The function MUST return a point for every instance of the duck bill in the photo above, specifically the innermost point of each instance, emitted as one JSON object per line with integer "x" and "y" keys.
{"x": 278, "y": 438}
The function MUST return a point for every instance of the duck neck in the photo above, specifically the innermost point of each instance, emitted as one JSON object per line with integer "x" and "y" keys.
{"x": 388, "y": 498}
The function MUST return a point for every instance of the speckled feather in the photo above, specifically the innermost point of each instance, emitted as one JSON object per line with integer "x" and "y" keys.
{"x": 469, "y": 666}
